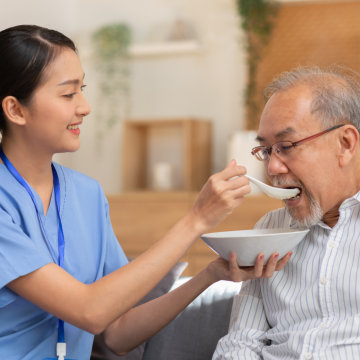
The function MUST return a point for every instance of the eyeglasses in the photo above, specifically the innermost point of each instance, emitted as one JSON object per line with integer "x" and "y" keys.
{"x": 283, "y": 148}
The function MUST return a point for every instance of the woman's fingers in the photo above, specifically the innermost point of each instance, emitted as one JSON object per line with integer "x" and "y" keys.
{"x": 233, "y": 265}
{"x": 234, "y": 270}
{"x": 283, "y": 261}
{"x": 231, "y": 170}
{"x": 271, "y": 265}
{"x": 220, "y": 195}
{"x": 237, "y": 182}
{"x": 274, "y": 264}
{"x": 230, "y": 270}
{"x": 259, "y": 266}
{"x": 262, "y": 270}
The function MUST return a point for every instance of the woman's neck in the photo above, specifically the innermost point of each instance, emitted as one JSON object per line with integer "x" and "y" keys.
{"x": 33, "y": 166}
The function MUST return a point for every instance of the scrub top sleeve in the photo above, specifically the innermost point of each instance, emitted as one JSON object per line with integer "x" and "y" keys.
{"x": 115, "y": 256}
{"x": 19, "y": 254}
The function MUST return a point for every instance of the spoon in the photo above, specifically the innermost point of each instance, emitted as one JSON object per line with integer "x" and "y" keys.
{"x": 275, "y": 192}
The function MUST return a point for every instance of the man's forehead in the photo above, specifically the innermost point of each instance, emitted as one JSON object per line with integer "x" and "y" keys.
{"x": 285, "y": 114}
{"x": 279, "y": 135}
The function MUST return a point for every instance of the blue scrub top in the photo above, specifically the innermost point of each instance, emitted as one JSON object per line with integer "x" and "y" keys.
{"x": 91, "y": 251}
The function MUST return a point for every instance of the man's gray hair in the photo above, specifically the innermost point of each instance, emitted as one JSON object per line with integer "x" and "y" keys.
{"x": 336, "y": 92}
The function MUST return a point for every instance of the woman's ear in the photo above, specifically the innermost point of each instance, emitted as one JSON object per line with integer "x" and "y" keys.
{"x": 13, "y": 110}
{"x": 349, "y": 144}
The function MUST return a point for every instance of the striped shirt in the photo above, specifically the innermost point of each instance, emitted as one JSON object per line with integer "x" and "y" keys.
{"x": 310, "y": 309}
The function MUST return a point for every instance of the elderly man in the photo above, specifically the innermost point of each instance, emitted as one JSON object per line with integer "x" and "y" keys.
{"x": 309, "y": 138}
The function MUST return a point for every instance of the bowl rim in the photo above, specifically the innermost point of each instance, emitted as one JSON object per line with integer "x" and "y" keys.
{"x": 254, "y": 233}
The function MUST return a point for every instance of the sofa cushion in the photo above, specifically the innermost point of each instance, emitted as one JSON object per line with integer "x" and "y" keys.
{"x": 194, "y": 333}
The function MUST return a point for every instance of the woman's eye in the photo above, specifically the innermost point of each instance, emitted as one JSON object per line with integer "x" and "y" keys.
{"x": 69, "y": 95}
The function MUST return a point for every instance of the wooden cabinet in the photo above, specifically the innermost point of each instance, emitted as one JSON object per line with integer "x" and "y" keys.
{"x": 141, "y": 218}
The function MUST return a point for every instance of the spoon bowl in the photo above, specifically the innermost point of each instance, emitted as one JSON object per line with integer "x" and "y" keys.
{"x": 274, "y": 192}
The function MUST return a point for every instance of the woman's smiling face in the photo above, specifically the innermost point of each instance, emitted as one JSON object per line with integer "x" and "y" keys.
{"x": 57, "y": 107}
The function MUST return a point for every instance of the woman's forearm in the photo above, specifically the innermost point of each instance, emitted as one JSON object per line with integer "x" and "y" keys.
{"x": 143, "y": 321}
{"x": 93, "y": 307}
{"x": 140, "y": 276}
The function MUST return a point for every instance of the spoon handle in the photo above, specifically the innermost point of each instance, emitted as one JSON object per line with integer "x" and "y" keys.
{"x": 277, "y": 193}
{"x": 255, "y": 181}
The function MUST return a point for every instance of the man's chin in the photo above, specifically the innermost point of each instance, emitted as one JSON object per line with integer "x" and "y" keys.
{"x": 307, "y": 220}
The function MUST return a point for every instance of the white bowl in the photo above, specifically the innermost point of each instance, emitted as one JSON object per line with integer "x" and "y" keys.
{"x": 247, "y": 244}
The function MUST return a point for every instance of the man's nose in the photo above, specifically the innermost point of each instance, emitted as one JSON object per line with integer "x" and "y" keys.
{"x": 276, "y": 165}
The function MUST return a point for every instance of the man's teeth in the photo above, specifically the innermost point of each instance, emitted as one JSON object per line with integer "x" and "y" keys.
{"x": 296, "y": 196}
{"x": 73, "y": 127}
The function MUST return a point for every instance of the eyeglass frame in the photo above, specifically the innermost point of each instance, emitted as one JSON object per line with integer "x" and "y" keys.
{"x": 269, "y": 149}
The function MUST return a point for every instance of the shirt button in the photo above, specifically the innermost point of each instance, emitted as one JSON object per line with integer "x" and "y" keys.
{"x": 308, "y": 356}
{"x": 323, "y": 325}
{"x": 324, "y": 281}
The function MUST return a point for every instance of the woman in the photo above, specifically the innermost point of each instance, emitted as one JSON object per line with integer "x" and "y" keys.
{"x": 59, "y": 258}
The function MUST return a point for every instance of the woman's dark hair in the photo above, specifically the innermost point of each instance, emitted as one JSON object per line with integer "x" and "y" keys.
{"x": 25, "y": 52}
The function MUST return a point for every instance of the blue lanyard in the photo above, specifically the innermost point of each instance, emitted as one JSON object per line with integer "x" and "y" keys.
{"x": 61, "y": 240}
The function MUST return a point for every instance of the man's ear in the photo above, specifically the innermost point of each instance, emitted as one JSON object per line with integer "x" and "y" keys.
{"x": 13, "y": 110}
{"x": 349, "y": 144}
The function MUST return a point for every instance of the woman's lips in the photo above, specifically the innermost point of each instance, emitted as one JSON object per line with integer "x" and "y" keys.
{"x": 74, "y": 129}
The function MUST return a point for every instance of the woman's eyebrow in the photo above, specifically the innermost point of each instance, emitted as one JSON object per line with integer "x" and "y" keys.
{"x": 70, "y": 82}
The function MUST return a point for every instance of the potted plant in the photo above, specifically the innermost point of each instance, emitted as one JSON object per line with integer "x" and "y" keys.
{"x": 257, "y": 21}
{"x": 111, "y": 43}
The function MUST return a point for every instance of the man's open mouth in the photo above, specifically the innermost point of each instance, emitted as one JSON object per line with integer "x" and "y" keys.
{"x": 297, "y": 196}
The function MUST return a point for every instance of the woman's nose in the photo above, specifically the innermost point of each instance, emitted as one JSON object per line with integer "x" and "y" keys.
{"x": 83, "y": 108}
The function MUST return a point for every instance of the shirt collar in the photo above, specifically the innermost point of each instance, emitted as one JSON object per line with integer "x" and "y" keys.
{"x": 349, "y": 202}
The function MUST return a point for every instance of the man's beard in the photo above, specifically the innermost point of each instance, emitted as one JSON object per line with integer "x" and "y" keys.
{"x": 315, "y": 211}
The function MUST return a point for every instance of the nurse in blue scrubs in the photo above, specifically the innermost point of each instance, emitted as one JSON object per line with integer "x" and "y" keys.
{"x": 63, "y": 274}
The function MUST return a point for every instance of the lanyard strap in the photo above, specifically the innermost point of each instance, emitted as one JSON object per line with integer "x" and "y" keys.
{"x": 61, "y": 240}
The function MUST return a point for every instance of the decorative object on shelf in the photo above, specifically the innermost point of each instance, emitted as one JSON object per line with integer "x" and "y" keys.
{"x": 184, "y": 144}
{"x": 111, "y": 44}
{"x": 181, "y": 30}
{"x": 162, "y": 176}
{"x": 257, "y": 20}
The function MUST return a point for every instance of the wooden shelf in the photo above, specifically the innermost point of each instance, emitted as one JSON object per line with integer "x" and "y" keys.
{"x": 192, "y": 161}
{"x": 186, "y": 47}
{"x": 141, "y": 218}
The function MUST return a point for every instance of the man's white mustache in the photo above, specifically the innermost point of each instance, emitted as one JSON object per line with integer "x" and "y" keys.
{"x": 281, "y": 181}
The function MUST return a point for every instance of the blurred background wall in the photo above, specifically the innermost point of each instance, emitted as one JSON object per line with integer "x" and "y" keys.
{"x": 206, "y": 81}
